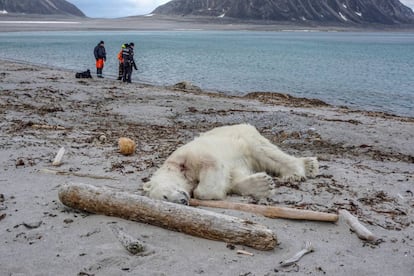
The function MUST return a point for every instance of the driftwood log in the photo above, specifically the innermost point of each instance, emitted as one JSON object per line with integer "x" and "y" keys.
{"x": 192, "y": 221}
{"x": 268, "y": 211}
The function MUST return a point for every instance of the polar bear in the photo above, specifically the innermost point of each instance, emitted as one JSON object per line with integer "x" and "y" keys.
{"x": 229, "y": 159}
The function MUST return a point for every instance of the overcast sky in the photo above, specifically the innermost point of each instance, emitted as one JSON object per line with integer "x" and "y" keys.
{"x": 117, "y": 8}
{"x": 408, "y": 3}
{"x": 120, "y": 8}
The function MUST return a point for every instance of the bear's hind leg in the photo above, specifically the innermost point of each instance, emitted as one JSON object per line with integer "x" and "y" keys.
{"x": 273, "y": 160}
{"x": 257, "y": 185}
{"x": 289, "y": 168}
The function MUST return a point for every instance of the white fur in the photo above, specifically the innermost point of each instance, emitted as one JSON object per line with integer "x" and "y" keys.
{"x": 229, "y": 159}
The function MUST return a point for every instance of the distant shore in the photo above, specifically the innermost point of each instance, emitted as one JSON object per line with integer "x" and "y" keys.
{"x": 168, "y": 23}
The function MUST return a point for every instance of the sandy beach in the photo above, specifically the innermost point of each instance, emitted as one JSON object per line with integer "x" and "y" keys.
{"x": 366, "y": 167}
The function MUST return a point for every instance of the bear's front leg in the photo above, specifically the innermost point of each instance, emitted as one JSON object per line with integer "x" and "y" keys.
{"x": 213, "y": 184}
{"x": 257, "y": 185}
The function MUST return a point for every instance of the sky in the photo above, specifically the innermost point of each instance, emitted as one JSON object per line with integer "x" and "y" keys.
{"x": 121, "y": 8}
{"x": 408, "y": 3}
{"x": 116, "y": 8}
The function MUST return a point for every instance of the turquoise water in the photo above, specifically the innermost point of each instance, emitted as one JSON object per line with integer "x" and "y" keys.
{"x": 371, "y": 71}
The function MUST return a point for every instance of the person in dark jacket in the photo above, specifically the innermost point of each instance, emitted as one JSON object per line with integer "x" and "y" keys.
{"x": 100, "y": 56}
{"x": 129, "y": 62}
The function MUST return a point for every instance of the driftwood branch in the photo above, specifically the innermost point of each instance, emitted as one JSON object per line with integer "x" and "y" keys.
{"x": 267, "y": 211}
{"x": 307, "y": 249}
{"x": 57, "y": 172}
{"x": 37, "y": 126}
{"x": 131, "y": 244}
{"x": 58, "y": 158}
{"x": 193, "y": 221}
{"x": 360, "y": 230}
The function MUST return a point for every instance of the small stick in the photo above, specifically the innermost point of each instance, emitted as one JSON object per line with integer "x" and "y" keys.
{"x": 267, "y": 211}
{"x": 47, "y": 127}
{"x": 58, "y": 158}
{"x": 361, "y": 231}
{"x": 131, "y": 244}
{"x": 307, "y": 249}
{"x": 49, "y": 171}
{"x": 244, "y": 252}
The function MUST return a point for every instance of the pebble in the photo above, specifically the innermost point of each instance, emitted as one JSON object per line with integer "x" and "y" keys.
{"x": 32, "y": 225}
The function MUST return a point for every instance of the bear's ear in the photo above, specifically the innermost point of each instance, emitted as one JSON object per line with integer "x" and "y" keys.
{"x": 147, "y": 186}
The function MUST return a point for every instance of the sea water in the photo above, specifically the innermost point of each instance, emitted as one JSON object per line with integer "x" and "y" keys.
{"x": 363, "y": 70}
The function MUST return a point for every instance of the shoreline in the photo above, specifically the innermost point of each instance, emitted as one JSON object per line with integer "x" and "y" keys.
{"x": 169, "y": 23}
{"x": 265, "y": 97}
{"x": 366, "y": 167}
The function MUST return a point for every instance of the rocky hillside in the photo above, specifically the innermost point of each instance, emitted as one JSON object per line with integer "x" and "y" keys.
{"x": 322, "y": 11}
{"x": 49, "y": 7}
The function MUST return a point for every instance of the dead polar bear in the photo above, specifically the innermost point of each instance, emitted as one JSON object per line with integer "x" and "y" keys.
{"x": 224, "y": 160}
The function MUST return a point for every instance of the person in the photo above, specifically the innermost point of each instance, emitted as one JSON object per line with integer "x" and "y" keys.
{"x": 129, "y": 62}
{"x": 100, "y": 56}
{"x": 121, "y": 61}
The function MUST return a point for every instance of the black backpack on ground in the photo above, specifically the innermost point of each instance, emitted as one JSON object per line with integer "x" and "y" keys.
{"x": 84, "y": 75}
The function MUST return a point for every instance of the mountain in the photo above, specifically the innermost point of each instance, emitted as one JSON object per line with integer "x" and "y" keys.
{"x": 44, "y": 7}
{"x": 388, "y": 12}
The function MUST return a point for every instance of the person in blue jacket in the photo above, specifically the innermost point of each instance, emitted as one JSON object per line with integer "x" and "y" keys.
{"x": 100, "y": 56}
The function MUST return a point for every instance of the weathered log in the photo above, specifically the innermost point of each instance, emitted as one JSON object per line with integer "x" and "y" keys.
{"x": 181, "y": 218}
{"x": 267, "y": 211}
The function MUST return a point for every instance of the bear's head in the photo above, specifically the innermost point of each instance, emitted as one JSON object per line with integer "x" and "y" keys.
{"x": 168, "y": 189}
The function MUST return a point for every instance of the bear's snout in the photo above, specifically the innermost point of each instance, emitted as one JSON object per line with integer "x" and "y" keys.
{"x": 184, "y": 201}
{"x": 179, "y": 197}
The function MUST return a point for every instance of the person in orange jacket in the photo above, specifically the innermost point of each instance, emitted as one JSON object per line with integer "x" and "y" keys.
{"x": 100, "y": 56}
{"x": 121, "y": 61}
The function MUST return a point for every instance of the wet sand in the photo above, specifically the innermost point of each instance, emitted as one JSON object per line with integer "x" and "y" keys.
{"x": 366, "y": 167}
